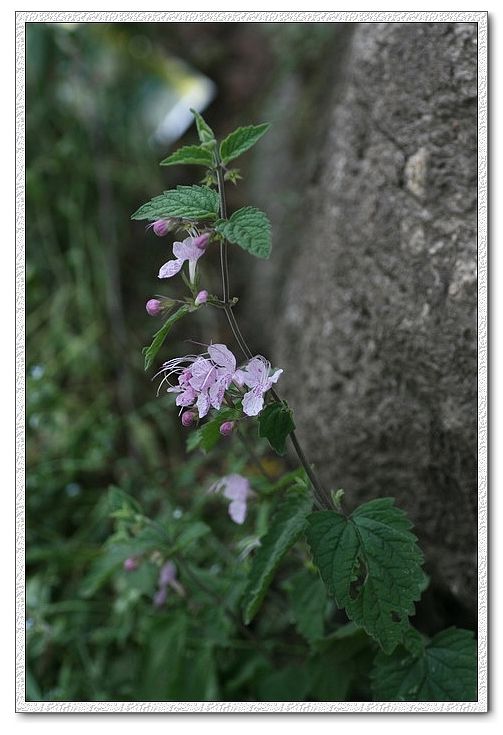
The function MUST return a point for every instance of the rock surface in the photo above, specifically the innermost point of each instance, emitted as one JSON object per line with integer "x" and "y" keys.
{"x": 373, "y": 280}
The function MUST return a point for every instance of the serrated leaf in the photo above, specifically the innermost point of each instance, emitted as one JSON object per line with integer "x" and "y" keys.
{"x": 445, "y": 671}
{"x": 189, "y": 154}
{"x": 241, "y": 140}
{"x": 308, "y": 600}
{"x": 187, "y": 202}
{"x": 275, "y": 422}
{"x": 206, "y": 134}
{"x": 286, "y": 527}
{"x": 159, "y": 337}
{"x": 209, "y": 433}
{"x": 371, "y": 563}
{"x": 250, "y": 229}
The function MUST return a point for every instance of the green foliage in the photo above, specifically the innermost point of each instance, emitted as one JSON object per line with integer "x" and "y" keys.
{"x": 308, "y": 601}
{"x": 275, "y": 422}
{"x": 189, "y": 154}
{"x": 444, "y": 671}
{"x": 187, "y": 202}
{"x": 241, "y": 140}
{"x": 286, "y": 528}
{"x": 206, "y": 134}
{"x": 250, "y": 229}
{"x": 371, "y": 563}
{"x": 150, "y": 352}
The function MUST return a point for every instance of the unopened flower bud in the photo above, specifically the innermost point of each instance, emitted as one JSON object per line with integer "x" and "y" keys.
{"x": 188, "y": 418}
{"x": 227, "y": 428}
{"x": 153, "y": 307}
{"x": 202, "y": 241}
{"x": 161, "y": 227}
{"x": 201, "y": 298}
{"x": 130, "y": 564}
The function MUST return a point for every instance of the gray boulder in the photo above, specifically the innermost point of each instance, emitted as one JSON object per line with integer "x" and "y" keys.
{"x": 373, "y": 281}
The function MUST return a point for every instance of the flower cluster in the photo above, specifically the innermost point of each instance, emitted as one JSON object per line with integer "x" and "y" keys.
{"x": 203, "y": 381}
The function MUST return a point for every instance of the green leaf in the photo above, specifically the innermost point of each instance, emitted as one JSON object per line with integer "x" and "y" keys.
{"x": 241, "y": 140}
{"x": 445, "y": 671}
{"x": 371, "y": 563}
{"x": 308, "y": 600}
{"x": 187, "y": 202}
{"x": 194, "y": 531}
{"x": 163, "y": 658}
{"x": 206, "y": 134}
{"x": 159, "y": 337}
{"x": 209, "y": 433}
{"x": 287, "y": 525}
{"x": 121, "y": 502}
{"x": 250, "y": 229}
{"x": 275, "y": 423}
{"x": 189, "y": 154}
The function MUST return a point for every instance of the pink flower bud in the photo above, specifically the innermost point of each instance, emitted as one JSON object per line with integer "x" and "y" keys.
{"x": 161, "y": 227}
{"x": 227, "y": 428}
{"x": 202, "y": 241}
{"x": 130, "y": 564}
{"x": 188, "y": 418}
{"x": 153, "y": 307}
{"x": 201, "y": 298}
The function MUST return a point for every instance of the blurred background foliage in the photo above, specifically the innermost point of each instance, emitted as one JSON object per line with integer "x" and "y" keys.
{"x": 107, "y": 472}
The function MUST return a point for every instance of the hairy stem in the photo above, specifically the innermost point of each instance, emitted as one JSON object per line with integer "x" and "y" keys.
{"x": 321, "y": 496}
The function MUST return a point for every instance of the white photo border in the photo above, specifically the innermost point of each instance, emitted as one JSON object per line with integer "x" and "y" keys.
{"x": 481, "y": 19}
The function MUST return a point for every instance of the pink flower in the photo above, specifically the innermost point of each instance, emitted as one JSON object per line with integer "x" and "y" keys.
{"x": 190, "y": 249}
{"x": 235, "y": 488}
{"x": 202, "y": 381}
{"x": 256, "y": 376}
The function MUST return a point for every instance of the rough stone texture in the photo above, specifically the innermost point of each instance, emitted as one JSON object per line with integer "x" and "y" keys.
{"x": 373, "y": 282}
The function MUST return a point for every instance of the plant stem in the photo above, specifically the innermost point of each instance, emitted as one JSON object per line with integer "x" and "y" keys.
{"x": 320, "y": 494}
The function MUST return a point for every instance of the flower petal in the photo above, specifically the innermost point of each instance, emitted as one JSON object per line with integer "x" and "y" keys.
{"x": 203, "y": 404}
{"x": 256, "y": 372}
{"x": 237, "y": 511}
{"x": 187, "y": 250}
{"x": 236, "y": 487}
{"x": 222, "y": 356}
{"x": 187, "y": 397}
{"x": 239, "y": 378}
{"x": 275, "y": 376}
{"x": 203, "y": 374}
{"x": 253, "y": 402}
{"x": 170, "y": 268}
{"x": 216, "y": 393}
